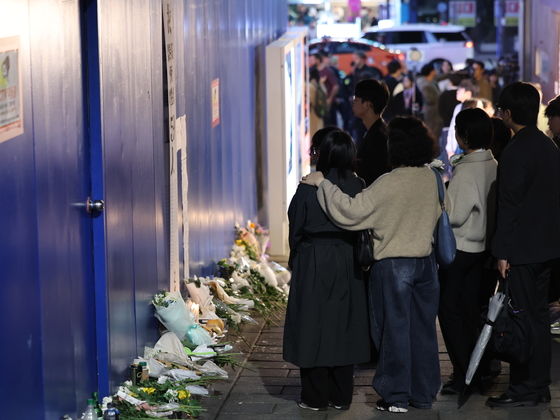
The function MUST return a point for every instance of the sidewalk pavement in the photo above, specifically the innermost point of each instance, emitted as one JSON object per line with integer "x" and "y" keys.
{"x": 268, "y": 388}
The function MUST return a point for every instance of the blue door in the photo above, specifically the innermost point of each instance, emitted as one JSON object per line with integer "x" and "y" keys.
{"x": 48, "y": 294}
{"x": 64, "y": 227}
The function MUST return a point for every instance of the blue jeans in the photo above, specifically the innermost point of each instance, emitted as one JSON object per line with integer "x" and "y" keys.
{"x": 404, "y": 295}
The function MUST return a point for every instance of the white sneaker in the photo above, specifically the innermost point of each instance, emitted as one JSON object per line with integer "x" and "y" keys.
{"x": 382, "y": 405}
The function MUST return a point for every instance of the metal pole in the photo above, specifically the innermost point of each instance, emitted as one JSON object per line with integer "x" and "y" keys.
{"x": 500, "y": 33}
{"x": 413, "y": 11}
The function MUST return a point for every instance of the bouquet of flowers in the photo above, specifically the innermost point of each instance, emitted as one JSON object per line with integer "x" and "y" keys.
{"x": 172, "y": 312}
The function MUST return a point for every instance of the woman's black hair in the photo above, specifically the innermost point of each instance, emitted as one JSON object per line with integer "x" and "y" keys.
{"x": 316, "y": 141}
{"x": 410, "y": 143}
{"x": 502, "y": 136}
{"x": 474, "y": 126}
{"x": 337, "y": 151}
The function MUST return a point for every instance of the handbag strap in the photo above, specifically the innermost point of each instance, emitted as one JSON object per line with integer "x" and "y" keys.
{"x": 441, "y": 192}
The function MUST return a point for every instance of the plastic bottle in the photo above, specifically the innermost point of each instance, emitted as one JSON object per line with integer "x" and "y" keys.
{"x": 90, "y": 413}
{"x": 98, "y": 411}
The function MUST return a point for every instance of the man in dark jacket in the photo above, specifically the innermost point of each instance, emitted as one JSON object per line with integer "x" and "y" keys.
{"x": 527, "y": 233}
{"x": 370, "y": 99}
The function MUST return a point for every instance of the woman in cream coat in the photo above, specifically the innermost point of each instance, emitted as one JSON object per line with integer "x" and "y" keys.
{"x": 471, "y": 205}
{"x": 402, "y": 208}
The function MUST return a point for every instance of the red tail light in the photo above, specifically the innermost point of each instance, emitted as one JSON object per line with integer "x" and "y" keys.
{"x": 469, "y": 44}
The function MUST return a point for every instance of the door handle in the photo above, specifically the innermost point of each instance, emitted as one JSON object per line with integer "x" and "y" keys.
{"x": 95, "y": 207}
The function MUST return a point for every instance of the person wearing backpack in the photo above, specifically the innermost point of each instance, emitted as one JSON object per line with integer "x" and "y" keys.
{"x": 317, "y": 101}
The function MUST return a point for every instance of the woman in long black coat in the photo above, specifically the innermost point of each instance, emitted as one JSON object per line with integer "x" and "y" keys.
{"x": 326, "y": 330}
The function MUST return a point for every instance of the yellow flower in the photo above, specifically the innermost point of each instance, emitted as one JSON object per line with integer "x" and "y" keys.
{"x": 239, "y": 242}
{"x": 148, "y": 390}
{"x": 183, "y": 394}
{"x": 252, "y": 225}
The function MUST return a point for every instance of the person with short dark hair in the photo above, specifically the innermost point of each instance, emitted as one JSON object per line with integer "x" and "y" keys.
{"x": 326, "y": 328}
{"x": 430, "y": 94}
{"x": 317, "y": 103}
{"x": 502, "y": 136}
{"x": 401, "y": 208}
{"x": 480, "y": 80}
{"x": 526, "y": 238}
{"x": 328, "y": 77}
{"x": 466, "y": 91}
{"x": 369, "y": 102}
{"x": 552, "y": 112}
{"x": 406, "y": 100}
{"x": 395, "y": 75}
{"x": 470, "y": 206}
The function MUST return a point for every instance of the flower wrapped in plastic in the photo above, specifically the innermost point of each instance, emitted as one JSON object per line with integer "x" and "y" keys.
{"x": 200, "y": 294}
{"x": 247, "y": 240}
{"x": 261, "y": 235}
{"x": 283, "y": 276}
{"x": 173, "y": 313}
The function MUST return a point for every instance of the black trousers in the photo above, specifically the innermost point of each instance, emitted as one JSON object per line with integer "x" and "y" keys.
{"x": 528, "y": 286}
{"x": 319, "y": 385}
{"x": 459, "y": 309}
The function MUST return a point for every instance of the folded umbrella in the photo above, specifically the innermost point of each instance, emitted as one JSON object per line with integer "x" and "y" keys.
{"x": 494, "y": 307}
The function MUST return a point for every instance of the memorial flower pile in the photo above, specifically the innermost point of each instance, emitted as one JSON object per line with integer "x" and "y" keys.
{"x": 188, "y": 355}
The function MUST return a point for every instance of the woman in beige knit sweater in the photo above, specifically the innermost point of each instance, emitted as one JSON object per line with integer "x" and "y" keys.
{"x": 402, "y": 208}
{"x": 471, "y": 206}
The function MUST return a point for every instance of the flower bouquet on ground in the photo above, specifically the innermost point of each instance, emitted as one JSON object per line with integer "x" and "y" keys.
{"x": 157, "y": 399}
{"x": 173, "y": 313}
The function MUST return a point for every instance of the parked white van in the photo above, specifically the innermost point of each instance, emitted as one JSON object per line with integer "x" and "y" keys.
{"x": 424, "y": 42}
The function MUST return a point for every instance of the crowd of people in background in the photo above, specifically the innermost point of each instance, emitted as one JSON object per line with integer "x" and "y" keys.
{"x": 503, "y": 200}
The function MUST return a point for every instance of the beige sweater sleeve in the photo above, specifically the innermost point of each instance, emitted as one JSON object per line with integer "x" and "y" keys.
{"x": 347, "y": 212}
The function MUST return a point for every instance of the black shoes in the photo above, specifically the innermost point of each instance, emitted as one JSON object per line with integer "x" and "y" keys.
{"x": 303, "y": 405}
{"x": 339, "y": 407}
{"x": 506, "y": 401}
{"x": 452, "y": 387}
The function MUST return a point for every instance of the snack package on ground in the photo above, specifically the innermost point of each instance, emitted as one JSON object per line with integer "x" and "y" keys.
{"x": 172, "y": 312}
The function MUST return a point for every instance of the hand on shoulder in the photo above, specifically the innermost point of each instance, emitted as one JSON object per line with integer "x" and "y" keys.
{"x": 314, "y": 178}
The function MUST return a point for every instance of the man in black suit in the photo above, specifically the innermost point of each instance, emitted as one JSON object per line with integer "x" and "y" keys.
{"x": 527, "y": 236}
{"x": 369, "y": 102}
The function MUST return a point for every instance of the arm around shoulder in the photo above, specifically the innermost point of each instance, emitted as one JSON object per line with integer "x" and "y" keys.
{"x": 347, "y": 212}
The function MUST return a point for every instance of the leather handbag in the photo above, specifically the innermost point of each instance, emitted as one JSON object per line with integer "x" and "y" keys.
{"x": 445, "y": 246}
{"x": 364, "y": 249}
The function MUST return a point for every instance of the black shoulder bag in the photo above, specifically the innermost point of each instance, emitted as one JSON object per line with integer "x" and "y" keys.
{"x": 511, "y": 336}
